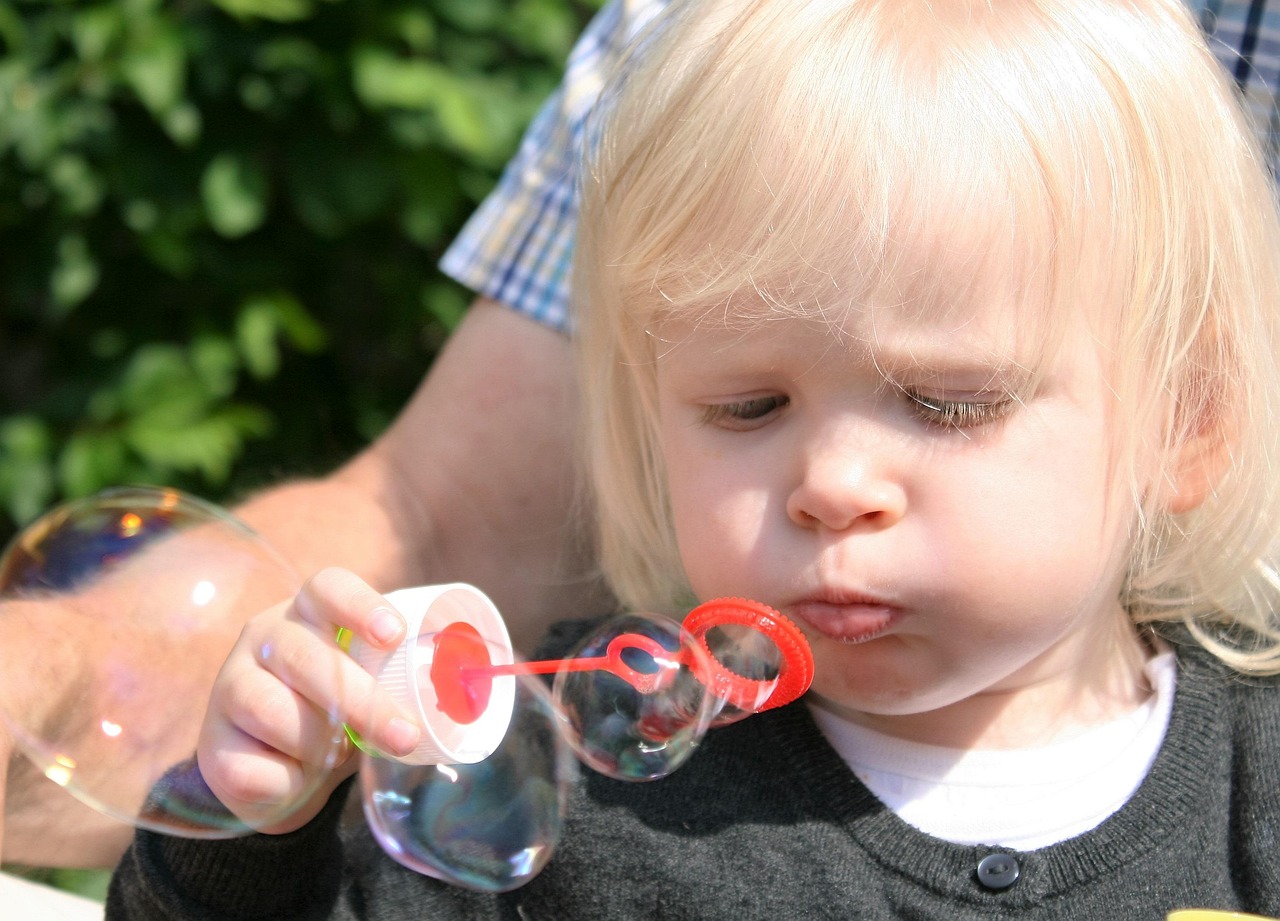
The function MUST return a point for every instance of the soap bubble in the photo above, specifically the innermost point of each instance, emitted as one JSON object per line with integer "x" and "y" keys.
{"x": 640, "y": 717}
{"x": 120, "y": 626}
{"x": 490, "y": 825}
{"x": 640, "y": 691}
{"x": 480, "y": 801}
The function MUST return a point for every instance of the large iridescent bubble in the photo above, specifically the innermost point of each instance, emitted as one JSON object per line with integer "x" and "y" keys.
{"x": 479, "y": 803}
{"x": 121, "y": 628}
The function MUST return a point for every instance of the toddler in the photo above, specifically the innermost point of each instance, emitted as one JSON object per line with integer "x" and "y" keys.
{"x": 948, "y": 328}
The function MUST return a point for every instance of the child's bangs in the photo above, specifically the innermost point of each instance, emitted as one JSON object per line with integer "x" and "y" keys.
{"x": 895, "y": 184}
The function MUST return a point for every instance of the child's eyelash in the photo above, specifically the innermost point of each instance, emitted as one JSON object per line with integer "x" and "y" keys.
{"x": 958, "y": 414}
{"x": 742, "y": 412}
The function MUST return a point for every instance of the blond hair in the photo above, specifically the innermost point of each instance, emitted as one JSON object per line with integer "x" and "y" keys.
{"x": 775, "y": 146}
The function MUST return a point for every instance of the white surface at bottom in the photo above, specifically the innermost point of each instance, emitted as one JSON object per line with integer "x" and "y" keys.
{"x": 23, "y": 900}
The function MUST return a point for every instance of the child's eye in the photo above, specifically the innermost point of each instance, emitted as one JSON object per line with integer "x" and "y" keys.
{"x": 958, "y": 414}
{"x": 743, "y": 414}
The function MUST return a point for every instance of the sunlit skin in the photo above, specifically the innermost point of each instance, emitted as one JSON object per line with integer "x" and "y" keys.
{"x": 952, "y": 542}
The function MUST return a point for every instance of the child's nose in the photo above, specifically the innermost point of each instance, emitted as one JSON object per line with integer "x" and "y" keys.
{"x": 842, "y": 488}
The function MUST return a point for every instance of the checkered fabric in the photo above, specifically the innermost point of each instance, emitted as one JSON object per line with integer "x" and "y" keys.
{"x": 518, "y": 246}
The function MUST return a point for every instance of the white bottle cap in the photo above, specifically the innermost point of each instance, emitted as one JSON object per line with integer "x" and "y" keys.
{"x": 406, "y": 672}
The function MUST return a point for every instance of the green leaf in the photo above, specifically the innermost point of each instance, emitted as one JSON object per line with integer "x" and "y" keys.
{"x": 155, "y": 67}
{"x": 216, "y": 364}
{"x": 183, "y": 123}
{"x": 92, "y": 884}
{"x": 473, "y": 117}
{"x": 13, "y": 31}
{"x": 26, "y": 470}
{"x": 445, "y": 303}
{"x": 159, "y": 382}
{"x": 473, "y": 15}
{"x": 234, "y": 191}
{"x": 463, "y": 116}
{"x": 416, "y": 28}
{"x": 301, "y": 329}
{"x": 79, "y": 187}
{"x": 208, "y": 445}
{"x": 383, "y": 80}
{"x": 256, "y": 335}
{"x": 544, "y": 26}
{"x": 275, "y": 10}
{"x": 90, "y": 461}
{"x": 75, "y": 272}
{"x": 261, "y": 323}
{"x": 95, "y": 29}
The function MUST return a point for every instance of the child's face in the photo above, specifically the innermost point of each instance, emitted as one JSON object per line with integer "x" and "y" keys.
{"x": 948, "y": 549}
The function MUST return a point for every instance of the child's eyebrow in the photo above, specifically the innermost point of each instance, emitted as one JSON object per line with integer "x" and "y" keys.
{"x": 950, "y": 361}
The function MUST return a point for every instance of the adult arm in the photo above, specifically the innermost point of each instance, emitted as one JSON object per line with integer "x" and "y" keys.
{"x": 476, "y": 481}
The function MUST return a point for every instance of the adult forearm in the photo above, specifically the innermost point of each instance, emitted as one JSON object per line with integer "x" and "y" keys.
{"x": 477, "y": 481}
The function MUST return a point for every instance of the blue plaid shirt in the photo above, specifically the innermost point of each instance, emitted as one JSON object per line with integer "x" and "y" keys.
{"x": 518, "y": 246}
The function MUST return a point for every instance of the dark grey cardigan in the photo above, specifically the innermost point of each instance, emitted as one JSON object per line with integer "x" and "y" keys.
{"x": 767, "y": 822}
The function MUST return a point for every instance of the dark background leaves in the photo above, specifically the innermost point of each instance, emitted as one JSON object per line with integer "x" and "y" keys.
{"x": 219, "y": 225}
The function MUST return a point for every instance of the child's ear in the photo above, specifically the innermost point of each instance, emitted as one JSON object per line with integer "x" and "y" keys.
{"x": 1199, "y": 464}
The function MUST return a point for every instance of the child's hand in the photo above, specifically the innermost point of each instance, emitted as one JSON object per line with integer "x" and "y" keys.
{"x": 268, "y": 730}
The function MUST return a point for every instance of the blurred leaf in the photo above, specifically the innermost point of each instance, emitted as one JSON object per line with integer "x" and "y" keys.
{"x": 546, "y": 26}
{"x": 95, "y": 29}
{"x": 473, "y": 118}
{"x": 263, "y": 321}
{"x": 383, "y": 80}
{"x": 26, "y": 475}
{"x": 92, "y": 884}
{"x": 155, "y": 66}
{"x": 90, "y": 461}
{"x": 234, "y": 191}
{"x": 160, "y": 382}
{"x": 474, "y": 15}
{"x": 446, "y": 304}
{"x": 78, "y": 186}
{"x": 75, "y": 273}
{"x": 216, "y": 364}
{"x": 416, "y": 27}
{"x": 13, "y": 32}
{"x": 183, "y": 123}
{"x": 278, "y": 10}
{"x": 208, "y": 444}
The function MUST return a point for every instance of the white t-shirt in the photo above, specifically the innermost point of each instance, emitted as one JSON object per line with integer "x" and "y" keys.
{"x": 1021, "y": 798}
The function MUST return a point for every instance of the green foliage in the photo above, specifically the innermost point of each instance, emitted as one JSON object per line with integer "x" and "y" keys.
{"x": 220, "y": 221}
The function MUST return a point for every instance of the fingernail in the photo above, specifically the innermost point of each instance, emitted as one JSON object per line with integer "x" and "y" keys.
{"x": 402, "y": 736}
{"x": 385, "y": 625}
